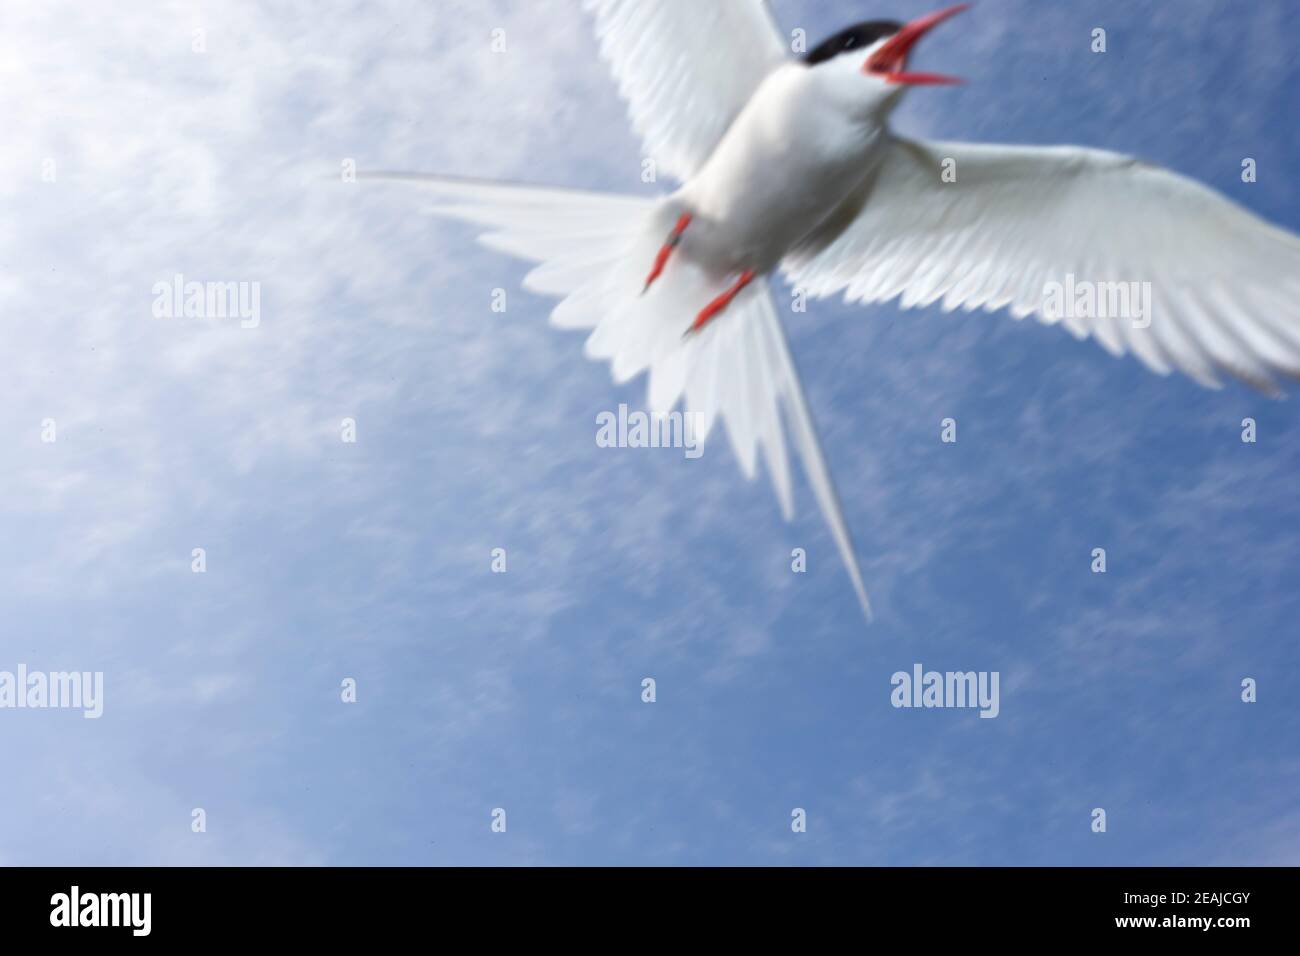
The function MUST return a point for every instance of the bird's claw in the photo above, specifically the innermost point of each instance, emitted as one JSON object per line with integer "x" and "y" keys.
{"x": 711, "y": 311}
{"x": 674, "y": 239}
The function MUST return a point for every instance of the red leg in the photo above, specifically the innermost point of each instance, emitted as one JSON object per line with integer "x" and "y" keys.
{"x": 670, "y": 244}
{"x": 720, "y": 303}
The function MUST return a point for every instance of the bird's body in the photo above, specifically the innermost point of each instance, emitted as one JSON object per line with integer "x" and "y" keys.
{"x": 790, "y": 167}
{"x": 789, "y": 160}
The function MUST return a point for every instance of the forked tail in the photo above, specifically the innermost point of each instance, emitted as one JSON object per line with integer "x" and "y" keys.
{"x": 592, "y": 251}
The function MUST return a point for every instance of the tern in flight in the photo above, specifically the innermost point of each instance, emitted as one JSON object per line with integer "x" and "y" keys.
{"x": 787, "y": 165}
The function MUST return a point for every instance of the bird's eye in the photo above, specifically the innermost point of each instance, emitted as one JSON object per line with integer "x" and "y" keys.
{"x": 857, "y": 37}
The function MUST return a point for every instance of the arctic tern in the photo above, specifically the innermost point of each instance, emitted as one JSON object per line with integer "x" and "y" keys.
{"x": 787, "y": 165}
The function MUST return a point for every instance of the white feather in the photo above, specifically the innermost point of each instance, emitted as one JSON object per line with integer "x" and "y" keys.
{"x": 686, "y": 68}
{"x": 593, "y": 250}
{"x": 1225, "y": 284}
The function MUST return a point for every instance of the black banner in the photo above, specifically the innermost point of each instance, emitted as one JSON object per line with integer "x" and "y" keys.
{"x": 369, "y": 905}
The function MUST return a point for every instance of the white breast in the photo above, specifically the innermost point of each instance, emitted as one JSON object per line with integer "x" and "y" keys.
{"x": 789, "y": 159}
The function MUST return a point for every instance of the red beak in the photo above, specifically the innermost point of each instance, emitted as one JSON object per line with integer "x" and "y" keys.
{"x": 891, "y": 59}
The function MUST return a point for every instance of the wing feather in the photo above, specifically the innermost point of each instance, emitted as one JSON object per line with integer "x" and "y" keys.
{"x": 1224, "y": 284}
{"x": 686, "y": 67}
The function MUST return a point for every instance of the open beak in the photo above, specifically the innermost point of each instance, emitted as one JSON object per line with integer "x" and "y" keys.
{"x": 890, "y": 61}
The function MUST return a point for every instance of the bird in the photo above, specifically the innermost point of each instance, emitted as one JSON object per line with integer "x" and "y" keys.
{"x": 788, "y": 169}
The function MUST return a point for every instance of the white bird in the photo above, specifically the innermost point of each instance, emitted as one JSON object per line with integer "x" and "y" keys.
{"x": 788, "y": 166}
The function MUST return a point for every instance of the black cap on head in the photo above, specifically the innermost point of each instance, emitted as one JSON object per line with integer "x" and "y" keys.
{"x": 857, "y": 37}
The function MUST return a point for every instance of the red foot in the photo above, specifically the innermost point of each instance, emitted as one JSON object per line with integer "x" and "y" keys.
{"x": 720, "y": 303}
{"x": 670, "y": 244}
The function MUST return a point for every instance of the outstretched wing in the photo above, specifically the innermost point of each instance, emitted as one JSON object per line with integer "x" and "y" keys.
{"x": 1072, "y": 235}
{"x": 686, "y": 67}
{"x": 591, "y": 250}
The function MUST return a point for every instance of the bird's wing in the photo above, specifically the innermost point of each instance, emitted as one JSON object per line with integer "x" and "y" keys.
{"x": 1032, "y": 228}
{"x": 592, "y": 250}
{"x": 686, "y": 67}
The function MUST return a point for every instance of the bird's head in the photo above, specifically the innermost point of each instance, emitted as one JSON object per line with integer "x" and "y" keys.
{"x": 867, "y": 62}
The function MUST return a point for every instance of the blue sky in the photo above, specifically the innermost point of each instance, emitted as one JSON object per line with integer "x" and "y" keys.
{"x": 476, "y": 431}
